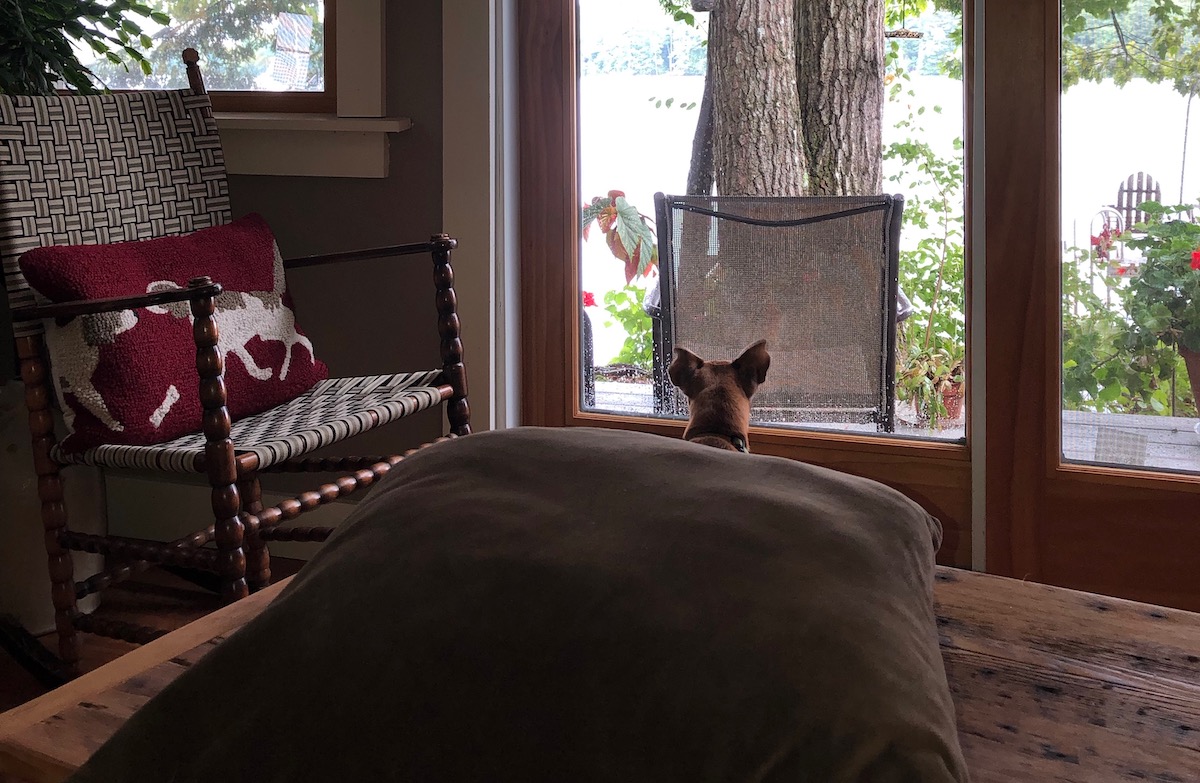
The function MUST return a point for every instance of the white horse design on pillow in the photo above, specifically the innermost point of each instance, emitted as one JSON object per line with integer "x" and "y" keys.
{"x": 244, "y": 316}
{"x": 74, "y": 369}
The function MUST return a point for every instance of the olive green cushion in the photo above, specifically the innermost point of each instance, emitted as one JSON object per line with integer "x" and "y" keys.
{"x": 580, "y": 605}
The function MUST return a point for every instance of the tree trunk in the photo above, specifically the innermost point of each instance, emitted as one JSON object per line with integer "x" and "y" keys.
{"x": 700, "y": 169}
{"x": 752, "y": 69}
{"x": 839, "y": 66}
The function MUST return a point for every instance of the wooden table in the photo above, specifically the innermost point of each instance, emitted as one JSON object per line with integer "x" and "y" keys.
{"x": 50, "y": 737}
{"x": 1049, "y": 684}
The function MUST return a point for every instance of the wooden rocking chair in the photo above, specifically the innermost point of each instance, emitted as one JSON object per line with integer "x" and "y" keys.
{"x": 172, "y": 136}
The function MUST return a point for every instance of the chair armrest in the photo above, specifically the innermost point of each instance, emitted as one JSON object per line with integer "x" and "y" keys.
{"x": 198, "y": 288}
{"x": 441, "y": 242}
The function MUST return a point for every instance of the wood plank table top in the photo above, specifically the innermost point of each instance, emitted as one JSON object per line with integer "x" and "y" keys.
{"x": 1049, "y": 685}
{"x": 50, "y": 737}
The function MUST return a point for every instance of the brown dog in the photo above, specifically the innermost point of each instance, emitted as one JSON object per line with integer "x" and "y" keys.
{"x": 719, "y": 394}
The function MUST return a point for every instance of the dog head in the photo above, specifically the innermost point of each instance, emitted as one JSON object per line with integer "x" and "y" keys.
{"x": 719, "y": 394}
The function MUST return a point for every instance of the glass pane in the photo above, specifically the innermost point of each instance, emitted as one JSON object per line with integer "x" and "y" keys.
{"x": 770, "y": 227}
{"x": 276, "y": 46}
{"x": 1130, "y": 235}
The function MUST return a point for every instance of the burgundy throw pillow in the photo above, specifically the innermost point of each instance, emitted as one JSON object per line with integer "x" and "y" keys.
{"x": 130, "y": 377}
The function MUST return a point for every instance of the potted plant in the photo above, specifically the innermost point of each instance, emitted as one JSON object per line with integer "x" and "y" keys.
{"x": 630, "y": 238}
{"x": 931, "y": 380}
{"x": 35, "y": 41}
{"x": 1164, "y": 296}
{"x": 627, "y": 231}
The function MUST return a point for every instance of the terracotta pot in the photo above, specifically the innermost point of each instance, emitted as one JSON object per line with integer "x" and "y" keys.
{"x": 1191, "y": 360}
{"x": 952, "y": 399}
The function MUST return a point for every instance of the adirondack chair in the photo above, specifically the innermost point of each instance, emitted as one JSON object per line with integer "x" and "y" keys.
{"x": 1136, "y": 189}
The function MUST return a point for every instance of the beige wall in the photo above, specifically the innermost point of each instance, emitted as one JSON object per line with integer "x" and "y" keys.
{"x": 374, "y": 316}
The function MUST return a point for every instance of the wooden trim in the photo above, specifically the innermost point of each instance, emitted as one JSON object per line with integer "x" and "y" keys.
{"x": 284, "y": 102}
{"x": 1116, "y": 531}
{"x": 1051, "y": 262}
{"x": 546, "y": 72}
{"x": 807, "y": 439}
{"x": 1015, "y": 241}
{"x": 1127, "y": 477}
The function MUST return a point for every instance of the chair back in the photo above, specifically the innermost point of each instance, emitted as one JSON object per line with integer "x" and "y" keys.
{"x": 1138, "y": 188}
{"x": 816, "y": 276}
{"x": 104, "y": 168}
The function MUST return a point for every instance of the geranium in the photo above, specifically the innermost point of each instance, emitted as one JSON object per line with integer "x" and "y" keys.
{"x": 1105, "y": 240}
{"x": 1164, "y": 300}
{"x": 589, "y": 299}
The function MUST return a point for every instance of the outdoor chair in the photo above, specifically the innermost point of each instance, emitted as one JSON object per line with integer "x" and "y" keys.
{"x": 814, "y": 276}
{"x": 82, "y": 176}
{"x": 1135, "y": 190}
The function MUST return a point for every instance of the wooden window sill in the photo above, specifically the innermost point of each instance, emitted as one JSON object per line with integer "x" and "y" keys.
{"x": 307, "y": 145}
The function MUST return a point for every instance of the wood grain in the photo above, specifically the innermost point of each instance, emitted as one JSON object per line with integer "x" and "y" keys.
{"x": 48, "y": 738}
{"x": 1049, "y": 685}
{"x": 1058, "y": 685}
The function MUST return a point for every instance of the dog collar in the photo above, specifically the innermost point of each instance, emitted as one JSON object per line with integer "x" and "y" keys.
{"x": 737, "y": 441}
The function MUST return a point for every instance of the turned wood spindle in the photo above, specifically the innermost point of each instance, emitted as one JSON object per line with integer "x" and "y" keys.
{"x": 218, "y": 448}
{"x": 458, "y": 411}
{"x": 258, "y": 556}
{"x": 50, "y": 492}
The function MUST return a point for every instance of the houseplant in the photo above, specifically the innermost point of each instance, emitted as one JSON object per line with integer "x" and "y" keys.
{"x": 631, "y": 239}
{"x": 1164, "y": 297}
{"x": 627, "y": 231}
{"x": 36, "y": 37}
{"x": 931, "y": 380}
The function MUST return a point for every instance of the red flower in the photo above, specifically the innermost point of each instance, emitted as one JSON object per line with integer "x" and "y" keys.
{"x": 1196, "y": 259}
{"x": 589, "y": 299}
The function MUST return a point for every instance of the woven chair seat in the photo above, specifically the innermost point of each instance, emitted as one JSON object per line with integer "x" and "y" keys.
{"x": 331, "y": 411}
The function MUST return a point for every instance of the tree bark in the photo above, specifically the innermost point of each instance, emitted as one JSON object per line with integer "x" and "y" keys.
{"x": 752, "y": 69}
{"x": 839, "y": 67}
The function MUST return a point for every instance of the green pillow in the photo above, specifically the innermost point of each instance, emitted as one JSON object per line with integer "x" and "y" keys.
{"x": 580, "y": 605}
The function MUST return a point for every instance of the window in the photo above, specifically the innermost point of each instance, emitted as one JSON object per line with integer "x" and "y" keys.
{"x": 1007, "y": 499}
{"x": 339, "y": 131}
{"x": 556, "y": 140}
{"x": 658, "y": 106}
{"x": 1130, "y": 237}
{"x": 254, "y": 56}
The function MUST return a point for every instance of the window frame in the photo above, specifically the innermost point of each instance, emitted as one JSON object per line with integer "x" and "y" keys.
{"x": 280, "y": 134}
{"x": 1117, "y": 531}
{"x": 936, "y": 473}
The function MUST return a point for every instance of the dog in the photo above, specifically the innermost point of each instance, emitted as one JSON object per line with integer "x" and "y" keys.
{"x": 719, "y": 395}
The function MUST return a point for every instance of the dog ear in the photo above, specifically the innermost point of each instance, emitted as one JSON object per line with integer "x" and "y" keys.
{"x": 684, "y": 365}
{"x": 752, "y": 366}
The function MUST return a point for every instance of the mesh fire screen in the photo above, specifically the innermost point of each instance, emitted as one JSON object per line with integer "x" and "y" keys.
{"x": 814, "y": 276}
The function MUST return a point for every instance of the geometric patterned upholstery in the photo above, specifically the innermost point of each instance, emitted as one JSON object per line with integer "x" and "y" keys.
{"x": 95, "y": 169}
{"x": 331, "y": 411}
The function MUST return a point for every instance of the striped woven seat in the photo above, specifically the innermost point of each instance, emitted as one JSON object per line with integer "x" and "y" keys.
{"x": 331, "y": 411}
